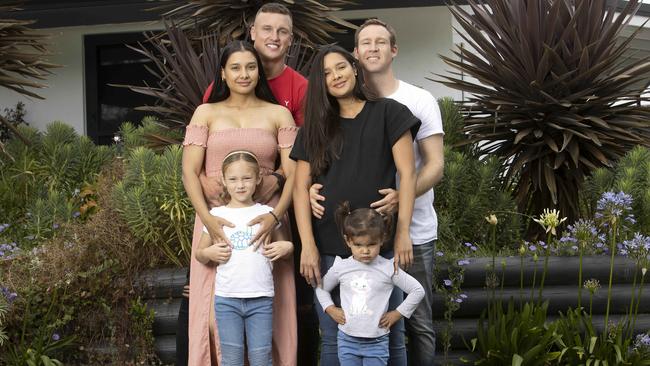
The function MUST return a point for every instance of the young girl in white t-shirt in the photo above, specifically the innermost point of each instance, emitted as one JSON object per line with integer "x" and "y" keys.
{"x": 243, "y": 301}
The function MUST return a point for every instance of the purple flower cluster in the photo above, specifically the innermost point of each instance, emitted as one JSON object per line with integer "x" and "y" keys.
{"x": 583, "y": 233}
{"x": 614, "y": 207}
{"x": 459, "y": 299}
{"x": 471, "y": 247}
{"x": 8, "y": 250}
{"x": 637, "y": 248}
{"x": 3, "y": 227}
{"x": 9, "y": 296}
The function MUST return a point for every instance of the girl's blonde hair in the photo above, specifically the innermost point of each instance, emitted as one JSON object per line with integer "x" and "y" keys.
{"x": 235, "y": 156}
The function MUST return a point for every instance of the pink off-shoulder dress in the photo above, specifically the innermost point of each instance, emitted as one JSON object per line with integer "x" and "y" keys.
{"x": 265, "y": 145}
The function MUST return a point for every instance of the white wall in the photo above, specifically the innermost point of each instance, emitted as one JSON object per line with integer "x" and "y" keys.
{"x": 423, "y": 33}
{"x": 64, "y": 97}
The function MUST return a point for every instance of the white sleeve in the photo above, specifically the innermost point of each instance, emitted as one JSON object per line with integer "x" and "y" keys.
{"x": 428, "y": 112}
{"x": 330, "y": 281}
{"x": 413, "y": 288}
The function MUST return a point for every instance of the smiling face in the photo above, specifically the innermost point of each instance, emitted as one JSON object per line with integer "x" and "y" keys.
{"x": 365, "y": 248}
{"x": 373, "y": 50}
{"x": 241, "y": 72}
{"x": 240, "y": 178}
{"x": 272, "y": 34}
{"x": 340, "y": 76}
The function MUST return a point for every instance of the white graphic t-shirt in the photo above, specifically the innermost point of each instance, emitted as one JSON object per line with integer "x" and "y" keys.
{"x": 247, "y": 273}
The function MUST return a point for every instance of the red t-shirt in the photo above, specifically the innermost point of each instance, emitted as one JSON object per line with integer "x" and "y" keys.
{"x": 288, "y": 88}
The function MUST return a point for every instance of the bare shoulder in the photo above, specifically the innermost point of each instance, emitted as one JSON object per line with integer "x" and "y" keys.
{"x": 280, "y": 115}
{"x": 202, "y": 114}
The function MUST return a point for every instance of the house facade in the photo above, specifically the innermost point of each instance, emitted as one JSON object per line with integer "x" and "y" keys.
{"x": 87, "y": 39}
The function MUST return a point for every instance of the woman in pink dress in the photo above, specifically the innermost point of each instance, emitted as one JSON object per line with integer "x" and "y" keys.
{"x": 242, "y": 114}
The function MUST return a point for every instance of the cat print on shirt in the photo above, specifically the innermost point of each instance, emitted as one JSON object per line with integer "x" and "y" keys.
{"x": 360, "y": 285}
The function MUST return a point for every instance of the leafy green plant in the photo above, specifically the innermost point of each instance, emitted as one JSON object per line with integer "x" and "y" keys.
{"x": 41, "y": 185}
{"x": 471, "y": 189}
{"x": 631, "y": 175}
{"x": 153, "y": 202}
{"x": 515, "y": 337}
{"x": 580, "y": 344}
{"x": 4, "y": 307}
{"x": 14, "y": 116}
{"x": 553, "y": 98}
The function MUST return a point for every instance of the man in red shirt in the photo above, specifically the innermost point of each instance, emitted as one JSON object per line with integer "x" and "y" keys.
{"x": 272, "y": 35}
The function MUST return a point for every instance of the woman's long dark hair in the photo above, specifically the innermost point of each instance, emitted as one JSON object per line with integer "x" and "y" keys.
{"x": 220, "y": 90}
{"x": 323, "y": 139}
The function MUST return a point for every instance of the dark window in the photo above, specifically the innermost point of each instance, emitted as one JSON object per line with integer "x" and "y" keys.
{"x": 109, "y": 61}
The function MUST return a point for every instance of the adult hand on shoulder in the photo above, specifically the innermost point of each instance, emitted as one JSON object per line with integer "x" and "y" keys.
{"x": 387, "y": 320}
{"x": 277, "y": 249}
{"x": 310, "y": 265}
{"x": 314, "y": 198}
{"x": 215, "y": 226}
{"x": 263, "y": 235}
{"x": 218, "y": 252}
{"x": 403, "y": 251}
{"x": 388, "y": 204}
{"x": 336, "y": 313}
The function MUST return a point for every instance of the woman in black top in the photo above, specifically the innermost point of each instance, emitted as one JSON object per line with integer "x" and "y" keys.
{"x": 353, "y": 145}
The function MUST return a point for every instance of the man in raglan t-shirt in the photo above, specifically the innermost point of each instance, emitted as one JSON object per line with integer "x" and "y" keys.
{"x": 375, "y": 48}
{"x": 272, "y": 34}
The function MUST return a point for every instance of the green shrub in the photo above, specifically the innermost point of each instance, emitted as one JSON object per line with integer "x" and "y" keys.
{"x": 631, "y": 175}
{"x": 472, "y": 188}
{"x": 40, "y": 184}
{"x": 153, "y": 202}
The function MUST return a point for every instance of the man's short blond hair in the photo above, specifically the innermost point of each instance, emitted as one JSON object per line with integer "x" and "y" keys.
{"x": 275, "y": 8}
{"x": 381, "y": 23}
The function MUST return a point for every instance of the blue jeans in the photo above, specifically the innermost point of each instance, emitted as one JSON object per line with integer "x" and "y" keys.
{"x": 329, "y": 328}
{"x": 422, "y": 338}
{"x": 357, "y": 351}
{"x": 253, "y": 317}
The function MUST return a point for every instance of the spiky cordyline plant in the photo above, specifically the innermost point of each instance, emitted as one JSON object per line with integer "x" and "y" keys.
{"x": 183, "y": 73}
{"x": 555, "y": 96}
{"x": 21, "y": 58}
{"x": 313, "y": 22}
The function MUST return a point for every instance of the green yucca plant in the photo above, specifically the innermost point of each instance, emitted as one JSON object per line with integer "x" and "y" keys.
{"x": 555, "y": 97}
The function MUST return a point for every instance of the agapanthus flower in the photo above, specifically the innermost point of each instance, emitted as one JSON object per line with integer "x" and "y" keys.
{"x": 642, "y": 342}
{"x": 637, "y": 248}
{"x": 463, "y": 262}
{"x": 550, "y": 219}
{"x": 614, "y": 207}
{"x": 492, "y": 219}
{"x": 440, "y": 254}
{"x": 447, "y": 282}
{"x": 592, "y": 285}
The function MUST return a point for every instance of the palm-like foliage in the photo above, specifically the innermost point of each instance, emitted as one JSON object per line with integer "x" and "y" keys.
{"x": 184, "y": 72}
{"x": 21, "y": 58}
{"x": 313, "y": 22}
{"x": 555, "y": 96}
